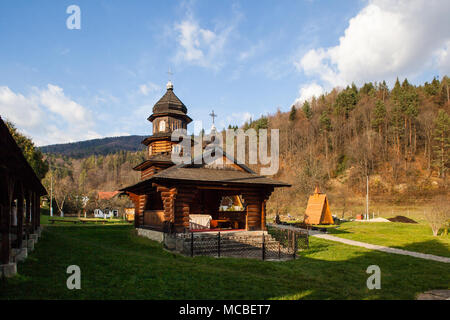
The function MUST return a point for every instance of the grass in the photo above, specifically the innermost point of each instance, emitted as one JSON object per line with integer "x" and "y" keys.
{"x": 414, "y": 237}
{"x": 116, "y": 264}
{"x": 45, "y": 220}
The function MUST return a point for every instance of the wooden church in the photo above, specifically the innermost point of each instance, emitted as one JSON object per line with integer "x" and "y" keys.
{"x": 176, "y": 198}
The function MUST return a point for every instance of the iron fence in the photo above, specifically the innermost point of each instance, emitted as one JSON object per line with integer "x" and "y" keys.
{"x": 275, "y": 244}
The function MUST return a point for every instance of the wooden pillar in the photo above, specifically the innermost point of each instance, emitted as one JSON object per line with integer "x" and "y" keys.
{"x": 38, "y": 208}
{"x": 6, "y": 219}
{"x": 183, "y": 203}
{"x": 168, "y": 197}
{"x": 27, "y": 213}
{"x": 142, "y": 202}
{"x": 254, "y": 209}
{"x": 20, "y": 212}
{"x": 263, "y": 215}
{"x": 33, "y": 212}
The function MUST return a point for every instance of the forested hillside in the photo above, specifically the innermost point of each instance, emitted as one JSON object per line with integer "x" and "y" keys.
{"x": 103, "y": 146}
{"x": 399, "y": 138}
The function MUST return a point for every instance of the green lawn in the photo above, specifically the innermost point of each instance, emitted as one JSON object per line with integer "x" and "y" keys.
{"x": 414, "y": 237}
{"x": 116, "y": 264}
{"x": 45, "y": 220}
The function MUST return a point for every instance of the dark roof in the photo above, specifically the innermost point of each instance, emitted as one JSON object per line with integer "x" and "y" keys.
{"x": 157, "y": 158}
{"x": 164, "y": 136}
{"x": 215, "y": 175}
{"x": 170, "y": 104}
{"x": 223, "y": 177}
{"x": 199, "y": 173}
{"x": 156, "y": 136}
{"x": 13, "y": 162}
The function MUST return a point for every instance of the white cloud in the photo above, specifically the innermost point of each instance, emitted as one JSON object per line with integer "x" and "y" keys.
{"x": 23, "y": 111}
{"x": 443, "y": 59}
{"x": 201, "y": 46}
{"x": 54, "y": 99}
{"x": 149, "y": 87}
{"x": 47, "y": 115}
{"x": 308, "y": 91}
{"x": 386, "y": 39}
{"x": 250, "y": 52}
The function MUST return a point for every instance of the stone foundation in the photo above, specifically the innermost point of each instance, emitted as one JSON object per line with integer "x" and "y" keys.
{"x": 19, "y": 254}
{"x": 30, "y": 245}
{"x": 151, "y": 234}
{"x": 8, "y": 270}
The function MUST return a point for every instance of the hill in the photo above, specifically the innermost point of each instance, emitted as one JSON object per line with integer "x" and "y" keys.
{"x": 102, "y": 146}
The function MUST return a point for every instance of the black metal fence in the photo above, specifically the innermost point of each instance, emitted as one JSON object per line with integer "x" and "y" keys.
{"x": 275, "y": 244}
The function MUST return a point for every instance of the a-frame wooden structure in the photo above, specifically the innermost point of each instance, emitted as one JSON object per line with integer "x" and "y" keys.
{"x": 318, "y": 210}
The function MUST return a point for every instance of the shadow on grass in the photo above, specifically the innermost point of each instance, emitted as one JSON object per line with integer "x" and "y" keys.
{"x": 116, "y": 264}
{"x": 337, "y": 231}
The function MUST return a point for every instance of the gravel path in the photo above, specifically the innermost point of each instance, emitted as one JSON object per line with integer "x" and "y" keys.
{"x": 382, "y": 248}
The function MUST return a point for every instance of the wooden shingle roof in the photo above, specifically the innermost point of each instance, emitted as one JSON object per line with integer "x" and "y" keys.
{"x": 223, "y": 176}
{"x": 169, "y": 104}
{"x": 202, "y": 174}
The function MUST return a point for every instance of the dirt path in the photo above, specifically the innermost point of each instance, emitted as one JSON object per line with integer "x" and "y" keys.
{"x": 382, "y": 248}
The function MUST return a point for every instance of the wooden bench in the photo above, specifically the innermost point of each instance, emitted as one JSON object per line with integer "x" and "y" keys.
{"x": 103, "y": 221}
{"x": 52, "y": 221}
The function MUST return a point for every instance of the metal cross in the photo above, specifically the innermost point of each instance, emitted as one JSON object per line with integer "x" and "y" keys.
{"x": 170, "y": 73}
{"x": 213, "y": 115}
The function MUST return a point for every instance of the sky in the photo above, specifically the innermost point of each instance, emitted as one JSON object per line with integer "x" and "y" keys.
{"x": 242, "y": 59}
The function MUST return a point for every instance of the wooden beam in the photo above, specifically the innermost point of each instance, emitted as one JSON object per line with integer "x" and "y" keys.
{"x": 20, "y": 213}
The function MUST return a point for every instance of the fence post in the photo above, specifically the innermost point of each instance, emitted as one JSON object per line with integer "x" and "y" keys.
{"x": 295, "y": 243}
{"x": 263, "y": 247}
{"x": 218, "y": 244}
{"x": 307, "y": 240}
{"x": 192, "y": 244}
{"x": 279, "y": 251}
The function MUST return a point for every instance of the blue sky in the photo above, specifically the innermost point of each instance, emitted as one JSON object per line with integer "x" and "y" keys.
{"x": 240, "y": 58}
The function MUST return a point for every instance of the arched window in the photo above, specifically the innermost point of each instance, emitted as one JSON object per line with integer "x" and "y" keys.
{"x": 162, "y": 126}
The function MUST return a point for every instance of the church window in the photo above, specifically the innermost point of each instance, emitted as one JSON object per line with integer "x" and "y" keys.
{"x": 162, "y": 125}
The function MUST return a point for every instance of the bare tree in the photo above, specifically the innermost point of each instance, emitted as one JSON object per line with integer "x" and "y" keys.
{"x": 62, "y": 189}
{"x": 439, "y": 215}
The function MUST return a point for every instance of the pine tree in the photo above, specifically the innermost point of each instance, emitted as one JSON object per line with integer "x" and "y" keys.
{"x": 307, "y": 110}
{"x": 293, "y": 114}
{"x": 380, "y": 115}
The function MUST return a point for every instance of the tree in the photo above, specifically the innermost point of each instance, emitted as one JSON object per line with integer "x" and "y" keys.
{"x": 427, "y": 122}
{"x": 439, "y": 215}
{"x": 293, "y": 113}
{"x": 380, "y": 116}
{"x": 346, "y": 101}
{"x": 63, "y": 188}
{"x": 442, "y": 139}
{"x": 307, "y": 110}
{"x": 32, "y": 154}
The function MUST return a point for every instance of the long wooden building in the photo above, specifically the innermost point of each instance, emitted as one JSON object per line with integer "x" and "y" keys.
{"x": 20, "y": 192}
{"x": 174, "y": 198}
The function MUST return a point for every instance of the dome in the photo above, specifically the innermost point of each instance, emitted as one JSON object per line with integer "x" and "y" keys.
{"x": 170, "y": 105}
